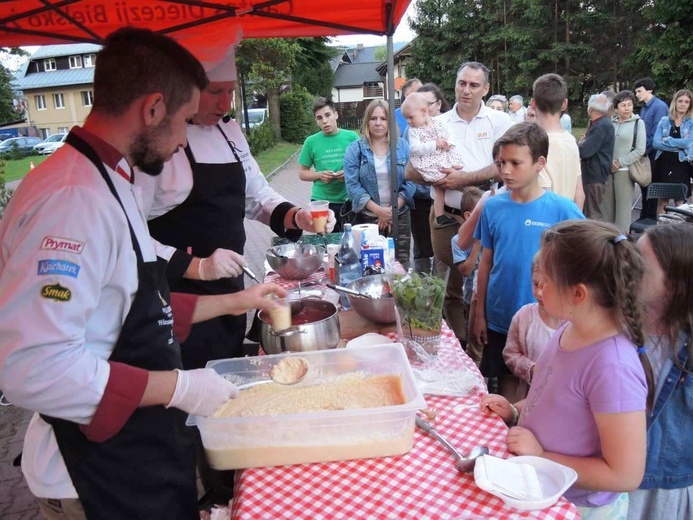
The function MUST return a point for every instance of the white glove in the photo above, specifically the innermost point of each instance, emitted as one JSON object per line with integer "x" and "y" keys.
{"x": 305, "y": 221}
{"x": 201, "y": 392}
{"x": 223, "y": 263}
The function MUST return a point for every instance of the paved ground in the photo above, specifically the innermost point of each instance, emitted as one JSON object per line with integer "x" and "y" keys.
{"x": 16, "y": 502}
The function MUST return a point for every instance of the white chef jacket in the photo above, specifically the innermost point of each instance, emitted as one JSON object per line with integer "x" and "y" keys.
{"x": 166, "y": 191}
{"x": 64, "y": 227}
{"x": 473, "y": 141}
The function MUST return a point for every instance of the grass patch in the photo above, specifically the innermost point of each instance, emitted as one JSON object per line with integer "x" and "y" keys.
{"x": 268, "y": 161}
{"x": 275, "y": 156}
{"x": 579, "y": 132}
{"x": 18, "y": 168}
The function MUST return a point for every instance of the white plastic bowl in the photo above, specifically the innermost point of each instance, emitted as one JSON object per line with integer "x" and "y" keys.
{"x": 554, "y": 478}
{"x": 369, "y": 339}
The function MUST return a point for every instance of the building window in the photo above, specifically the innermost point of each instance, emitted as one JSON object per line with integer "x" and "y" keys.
{"x": 49, "y": 65}
{"x": 45, "y": 133}
{"x": 40, "y": 102}
{"x": 372, "y": 90}
{"x": 87, "y": 98}
{"x": 89, "y": 60}
{"x": 63, "y": 129}
{"x": 75, "y": 62}
{"x": 59, "y": 100}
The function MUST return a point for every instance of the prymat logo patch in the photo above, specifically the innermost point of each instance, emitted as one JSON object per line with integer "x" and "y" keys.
{"x": 63, "y": 244}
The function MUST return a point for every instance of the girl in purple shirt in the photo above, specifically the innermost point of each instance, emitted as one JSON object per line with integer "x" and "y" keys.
{"x": 586, "y": 406}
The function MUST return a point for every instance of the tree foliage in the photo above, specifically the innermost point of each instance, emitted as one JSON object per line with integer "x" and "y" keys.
{"x": 270, "y": 64}
{"x": 7, "y": 109}
{"x": 7, "y": 112}
{"x": 312, "y": 69}
{"x": 594, "y": 45}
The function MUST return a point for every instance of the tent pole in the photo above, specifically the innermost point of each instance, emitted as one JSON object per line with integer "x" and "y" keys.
{"x": 394, "y": 134}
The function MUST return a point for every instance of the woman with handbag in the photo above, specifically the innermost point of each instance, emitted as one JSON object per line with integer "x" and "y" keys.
{"x": 367, "y": 177}
{"x": 629, "y": 147}
{"x": 673, "y": 141}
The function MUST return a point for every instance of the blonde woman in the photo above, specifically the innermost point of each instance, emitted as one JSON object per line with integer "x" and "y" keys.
{"x": 367, "y": 177}
{"x": 673, "y": 141}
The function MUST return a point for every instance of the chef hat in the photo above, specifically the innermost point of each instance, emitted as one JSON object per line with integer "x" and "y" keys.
{"x": 219, "y": 58}
{"x": 224, "y": 69}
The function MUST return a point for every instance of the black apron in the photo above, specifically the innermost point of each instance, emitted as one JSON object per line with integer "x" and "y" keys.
{"x": 210, "y": 218}
{"x": 147, "y": 470}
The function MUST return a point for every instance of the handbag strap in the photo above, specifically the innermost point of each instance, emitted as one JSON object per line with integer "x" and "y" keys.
{"x": 635, "y": 133}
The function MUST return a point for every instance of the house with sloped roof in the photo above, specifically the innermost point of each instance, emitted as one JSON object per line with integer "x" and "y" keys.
{"x": 356, "y": 77}
{"x": 57, "y": 86}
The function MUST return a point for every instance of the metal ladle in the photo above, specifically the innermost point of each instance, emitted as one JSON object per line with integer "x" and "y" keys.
{"x": 463, "y": 464}
{"x": 346, "y": 290}
{"x": 275, "y": 374}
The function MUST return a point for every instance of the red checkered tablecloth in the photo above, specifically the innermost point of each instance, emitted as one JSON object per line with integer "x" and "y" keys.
{"x": 422, "y": 484}
{"x": 273, "y": 277}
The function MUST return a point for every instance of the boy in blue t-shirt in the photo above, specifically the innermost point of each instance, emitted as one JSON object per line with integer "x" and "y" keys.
{"x": 510, "y": 228}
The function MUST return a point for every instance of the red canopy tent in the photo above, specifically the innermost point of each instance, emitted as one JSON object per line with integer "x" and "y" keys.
{"x": 41, "y": 22}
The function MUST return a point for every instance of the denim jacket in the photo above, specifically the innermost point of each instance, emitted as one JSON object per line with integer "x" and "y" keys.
{"x": 663, "y": 143}
{"x": 360, "y": 176}
{"x": 670, "y": 429}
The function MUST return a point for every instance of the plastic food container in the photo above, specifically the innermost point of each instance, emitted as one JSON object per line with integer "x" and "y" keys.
{"x": 250, "y": 442}
{"x": 554, "y": 479}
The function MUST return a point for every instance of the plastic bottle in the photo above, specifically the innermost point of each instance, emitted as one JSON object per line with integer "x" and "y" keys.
{"x": 349, "y": 264}
{"x": 390, "y": 255}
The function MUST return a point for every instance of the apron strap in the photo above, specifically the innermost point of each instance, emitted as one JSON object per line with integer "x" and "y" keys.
{"x": 191, "y": 156}
{"x": 230, "y": 143}
{"x": 83, "y": 147}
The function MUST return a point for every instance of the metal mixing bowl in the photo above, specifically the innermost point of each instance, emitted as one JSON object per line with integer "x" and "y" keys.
{"x": 295, "y": 261}
{"x": 379, "y": 310}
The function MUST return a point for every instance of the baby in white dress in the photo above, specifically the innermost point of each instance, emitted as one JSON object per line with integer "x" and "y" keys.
{"x": 430, "y": 150}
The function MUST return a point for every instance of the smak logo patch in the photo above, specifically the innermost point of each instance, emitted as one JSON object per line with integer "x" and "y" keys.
{"x": 56, "y": 292}
{"x": 58, "y": 267}
{"x": 63, "y": 244}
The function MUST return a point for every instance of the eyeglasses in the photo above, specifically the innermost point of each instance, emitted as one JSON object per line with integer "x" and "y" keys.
{"x": 433, "y": 102}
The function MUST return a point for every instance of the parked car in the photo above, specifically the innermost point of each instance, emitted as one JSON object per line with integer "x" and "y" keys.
{"x": 52, "y": 147}
{"x": 256, "y": 116}
{"x": 49, "y": 141}
{"x": 23, "y": 145}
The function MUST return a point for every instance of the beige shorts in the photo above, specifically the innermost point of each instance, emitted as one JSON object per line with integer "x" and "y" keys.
{"x": 64, "y": 509}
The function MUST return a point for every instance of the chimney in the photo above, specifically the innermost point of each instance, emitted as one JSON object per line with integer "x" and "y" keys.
{"x": 359, "y": 46}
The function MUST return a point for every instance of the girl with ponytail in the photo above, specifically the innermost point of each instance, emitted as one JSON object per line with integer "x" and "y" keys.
{"x": 666, "y": 490}
{"x": 586, "y": 407}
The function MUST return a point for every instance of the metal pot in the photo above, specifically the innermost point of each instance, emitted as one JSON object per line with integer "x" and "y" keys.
{"x": 315, "y": 327}
{"x": 380, "y": 309}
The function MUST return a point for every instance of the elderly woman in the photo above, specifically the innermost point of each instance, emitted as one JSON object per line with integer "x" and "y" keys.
{"x": 667, "y": 487}
{"x": 367, "y": 177}
{"x": 437, "y": 104}
{"x": 497, "y": 102}
{"x": 673, "y": 141}
{"x": 629, "y": 146}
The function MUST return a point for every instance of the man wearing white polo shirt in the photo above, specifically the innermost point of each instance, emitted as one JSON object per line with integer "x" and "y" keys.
{"x": 473, "y": 129}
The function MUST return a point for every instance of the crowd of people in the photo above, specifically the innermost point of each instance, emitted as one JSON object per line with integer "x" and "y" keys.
{"x": 548, "y": 288}
{"x": 583, "y": 334}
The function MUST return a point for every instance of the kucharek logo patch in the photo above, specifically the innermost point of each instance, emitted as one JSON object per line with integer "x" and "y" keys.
{"x": 63, "y": 244}
{"x": 58, "y": 267}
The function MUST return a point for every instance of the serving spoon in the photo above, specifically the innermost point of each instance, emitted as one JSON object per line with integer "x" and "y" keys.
{"x": 463, "y": 464}
{"x": 288, "y": 371}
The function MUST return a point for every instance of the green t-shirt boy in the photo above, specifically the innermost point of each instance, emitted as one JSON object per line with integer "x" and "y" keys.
{"x": 325, "y": 151}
